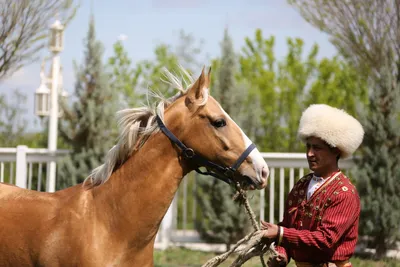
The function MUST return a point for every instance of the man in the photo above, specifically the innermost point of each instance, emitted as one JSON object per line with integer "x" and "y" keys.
{"x": 320, "y": 224}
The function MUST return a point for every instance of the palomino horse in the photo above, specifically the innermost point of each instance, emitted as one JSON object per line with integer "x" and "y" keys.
{"x": 113, "y": 217}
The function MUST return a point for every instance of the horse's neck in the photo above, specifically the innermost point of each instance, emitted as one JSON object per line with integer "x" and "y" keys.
{"x": 136, "y": 197}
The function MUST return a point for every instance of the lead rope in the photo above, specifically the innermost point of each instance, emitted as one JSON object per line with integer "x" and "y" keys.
{"x": 255, "y": 247}
{"x": 242, "y": 194}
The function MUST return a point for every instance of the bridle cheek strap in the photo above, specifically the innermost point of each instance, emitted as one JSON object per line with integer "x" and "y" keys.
{"x": 220, "y": 172}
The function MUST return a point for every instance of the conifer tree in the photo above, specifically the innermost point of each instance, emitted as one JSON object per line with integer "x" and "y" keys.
{"x": 223, "y": 220}
{"x": 378, "y": 167}
{"x": 89, "y": 125}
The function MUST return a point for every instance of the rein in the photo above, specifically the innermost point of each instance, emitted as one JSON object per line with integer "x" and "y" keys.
{"x": 220, "y": 172}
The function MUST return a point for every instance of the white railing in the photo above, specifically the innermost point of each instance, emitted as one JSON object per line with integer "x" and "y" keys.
{"x": 25, "y": 167}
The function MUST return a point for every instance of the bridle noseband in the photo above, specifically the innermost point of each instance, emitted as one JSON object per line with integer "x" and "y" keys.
{"x": 220, "y": 172}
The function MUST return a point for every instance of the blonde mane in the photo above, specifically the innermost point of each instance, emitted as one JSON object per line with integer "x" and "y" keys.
{"x": 136, "y": 125}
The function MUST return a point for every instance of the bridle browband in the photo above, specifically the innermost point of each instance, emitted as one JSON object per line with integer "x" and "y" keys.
{"x": 220, "y": 172}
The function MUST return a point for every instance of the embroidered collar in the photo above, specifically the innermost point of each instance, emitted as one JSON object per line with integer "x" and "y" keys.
{"x": 317, "y": 178}
{"x": 322, "y": 179}
{"x": 327, "y": 181}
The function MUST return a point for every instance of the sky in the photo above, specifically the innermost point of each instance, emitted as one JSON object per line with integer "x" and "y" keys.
{"x": 144, "y": 24}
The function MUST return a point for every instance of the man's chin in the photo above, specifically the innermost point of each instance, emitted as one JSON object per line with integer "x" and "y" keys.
{"x": 312, "y": 167}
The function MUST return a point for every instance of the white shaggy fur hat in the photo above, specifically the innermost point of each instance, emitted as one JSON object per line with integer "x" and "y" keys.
{"x": 334, "y": 126}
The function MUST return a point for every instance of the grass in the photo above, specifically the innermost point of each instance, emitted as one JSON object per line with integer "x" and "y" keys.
{"x": 181, "y": 257}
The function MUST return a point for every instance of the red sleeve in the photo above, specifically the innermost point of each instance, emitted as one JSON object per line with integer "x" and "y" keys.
{"x": 338, "y": 217}
{"x": 282, "y": 251}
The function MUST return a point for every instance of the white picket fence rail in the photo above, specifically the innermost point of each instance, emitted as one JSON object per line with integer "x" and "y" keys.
{"x": 25, "y": 166}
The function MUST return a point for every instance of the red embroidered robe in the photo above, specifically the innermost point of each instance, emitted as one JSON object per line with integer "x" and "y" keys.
{"x": 323, "y": 228}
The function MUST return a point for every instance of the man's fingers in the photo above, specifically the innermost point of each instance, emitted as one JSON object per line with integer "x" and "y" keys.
{"x": 264, "y": 225}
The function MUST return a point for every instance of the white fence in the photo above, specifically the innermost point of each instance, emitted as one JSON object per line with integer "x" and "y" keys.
{"x": 27, "y": 167}
{"x": 24, "y": 167}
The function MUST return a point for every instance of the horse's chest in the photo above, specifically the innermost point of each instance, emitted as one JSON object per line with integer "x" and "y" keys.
{"x": 124, "y": 260}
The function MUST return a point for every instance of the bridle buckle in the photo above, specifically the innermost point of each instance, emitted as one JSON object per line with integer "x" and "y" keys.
{"x": 188, "y": 153}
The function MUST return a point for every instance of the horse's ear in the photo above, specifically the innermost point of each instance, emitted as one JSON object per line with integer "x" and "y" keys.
{"x": 196, "y": 91}
{"x": 209, "y": 77}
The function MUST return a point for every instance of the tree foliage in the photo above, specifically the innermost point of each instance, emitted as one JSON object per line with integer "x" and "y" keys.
{"x": 188, "y": 50}
{"x": 24, "y": 27}
{"x": 12, "y": 121}
{"x": 152, "y": 70}
{"x": 286, "y": 86}
{"x": 88, "y": 127}
{"x": 124, "y": 78}
{"x": 185, "y": 53}
{"x": 132, "y": 82}
{"x": 257, "y": 66}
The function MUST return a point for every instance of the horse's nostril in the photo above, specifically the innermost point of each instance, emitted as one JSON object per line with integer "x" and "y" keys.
{"x": 265, "y": 172}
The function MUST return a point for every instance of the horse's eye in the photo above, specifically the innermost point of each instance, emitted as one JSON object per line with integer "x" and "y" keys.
{"x": 219, "y": 123}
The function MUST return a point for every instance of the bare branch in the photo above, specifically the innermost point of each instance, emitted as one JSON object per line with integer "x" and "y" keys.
{"x": 24, "y": 27}
{"x": 367, "y": 32}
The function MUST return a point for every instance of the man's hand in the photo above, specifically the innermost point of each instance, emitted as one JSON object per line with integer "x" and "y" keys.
{"x": 271, "y": 230}
{"x": 277, "y": 261}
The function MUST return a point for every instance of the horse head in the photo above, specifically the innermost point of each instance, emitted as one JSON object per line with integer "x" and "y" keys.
{"x": 209, "y": 137}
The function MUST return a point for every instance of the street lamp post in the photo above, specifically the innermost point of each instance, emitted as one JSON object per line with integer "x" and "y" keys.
{"x": 47, "y": 100}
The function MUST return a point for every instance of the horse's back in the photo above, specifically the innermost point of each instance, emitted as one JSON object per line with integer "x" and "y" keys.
{"x": 15, "y": 198}
{"x": 7, "y": 189}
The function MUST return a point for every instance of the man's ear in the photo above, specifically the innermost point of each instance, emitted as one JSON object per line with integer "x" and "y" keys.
{"x": 336, "y": 151}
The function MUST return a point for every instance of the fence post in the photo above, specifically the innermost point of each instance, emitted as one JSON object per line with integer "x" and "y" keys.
{"x": 21, "y": 166}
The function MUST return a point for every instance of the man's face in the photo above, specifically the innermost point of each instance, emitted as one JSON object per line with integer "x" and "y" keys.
{"x": 321, "y": 157}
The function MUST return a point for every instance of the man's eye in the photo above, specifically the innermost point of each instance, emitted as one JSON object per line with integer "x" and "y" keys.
{"x": 219, "y": 123}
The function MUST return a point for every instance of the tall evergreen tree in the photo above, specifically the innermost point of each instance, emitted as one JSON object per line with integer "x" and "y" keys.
{"x": 223, "y": 220}
{"x": 88, "y": 127}
{"x": 378, "y": 168}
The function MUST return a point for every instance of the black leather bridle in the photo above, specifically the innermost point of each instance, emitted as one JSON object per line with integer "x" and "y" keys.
{"x": 220, "y": 172}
